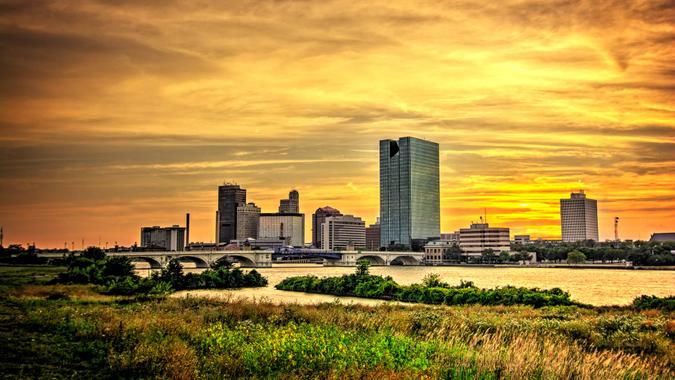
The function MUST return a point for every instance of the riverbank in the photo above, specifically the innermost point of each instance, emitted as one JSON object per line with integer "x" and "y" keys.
{"x": 60, "y": 331}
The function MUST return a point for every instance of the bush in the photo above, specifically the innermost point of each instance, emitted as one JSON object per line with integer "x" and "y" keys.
{"x": 654, "y": 302}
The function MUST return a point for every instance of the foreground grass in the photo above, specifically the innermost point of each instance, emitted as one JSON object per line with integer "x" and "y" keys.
{"x": 57, "y": 332}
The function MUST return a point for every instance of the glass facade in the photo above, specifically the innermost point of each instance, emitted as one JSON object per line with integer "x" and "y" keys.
{"x": 409, "y": 191}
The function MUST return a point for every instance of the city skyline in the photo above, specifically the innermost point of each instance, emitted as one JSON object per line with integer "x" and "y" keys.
{"x": 114, "y": 118}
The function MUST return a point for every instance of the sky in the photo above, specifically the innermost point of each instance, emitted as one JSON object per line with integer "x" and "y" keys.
{"x": 121, "y": 114}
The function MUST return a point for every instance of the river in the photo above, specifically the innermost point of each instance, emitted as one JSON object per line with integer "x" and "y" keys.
{"x": 592, "y": 286}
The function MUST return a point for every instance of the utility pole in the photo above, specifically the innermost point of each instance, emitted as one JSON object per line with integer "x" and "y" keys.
{"x": 1, "y": 236}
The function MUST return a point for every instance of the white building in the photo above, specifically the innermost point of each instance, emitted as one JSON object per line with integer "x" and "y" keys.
{"x": 579, "y": 218}
{"x": 169, "y": 238}
{"x": 289, "y": 227}
{"x": 343, "y": 232}
{"x": 481, "y": 237}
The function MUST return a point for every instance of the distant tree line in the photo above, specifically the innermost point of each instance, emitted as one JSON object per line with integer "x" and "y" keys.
{"x": 637, "y": 252}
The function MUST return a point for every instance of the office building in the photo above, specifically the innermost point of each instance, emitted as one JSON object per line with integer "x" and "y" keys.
{"x": 373, "y": 236}
{"x": 248, "y": 218}
{"x": 292, "y": 204}
{"x": 230, "y": 196}
{"x": 163, "y": 238}
{"x": 579, "y": 218}
{"x": 289, "y": 227}
{"x": 480, "y": 237}
{"x": 409, "y": 191}
{"x": 345, "y": 232}
{"x": 318, "y": 218}
{"x": 522, "y": 239}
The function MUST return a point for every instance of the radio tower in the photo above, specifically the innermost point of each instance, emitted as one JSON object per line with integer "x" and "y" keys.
{"x": 616, "y": 228}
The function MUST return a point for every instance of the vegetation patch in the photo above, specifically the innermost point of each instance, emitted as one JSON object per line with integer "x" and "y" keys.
{"x": 431, "y": 291}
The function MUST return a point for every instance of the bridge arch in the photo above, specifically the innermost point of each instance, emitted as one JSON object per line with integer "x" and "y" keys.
{"x": 372, "y": 259}
{"x": 404, "y": 260}
{"x": 242, "y": 260}
{"x": 199, "y": 262}
{"x": 154, "y": 264}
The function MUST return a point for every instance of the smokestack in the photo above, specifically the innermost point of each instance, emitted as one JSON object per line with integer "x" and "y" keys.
{"x": 187, "y": 230}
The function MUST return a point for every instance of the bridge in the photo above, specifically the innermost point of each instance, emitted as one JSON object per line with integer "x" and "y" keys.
{"x": 263, "y": 259}
{"x": 349, "y": 258}
{"x": 201, "y": 259}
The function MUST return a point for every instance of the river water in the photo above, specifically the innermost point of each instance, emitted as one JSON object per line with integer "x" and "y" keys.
{"x": 592, "y": 286}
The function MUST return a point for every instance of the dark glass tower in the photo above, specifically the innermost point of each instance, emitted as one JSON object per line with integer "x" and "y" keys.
{"x": 229, "y": 198}
{"x": 409, "y": 191}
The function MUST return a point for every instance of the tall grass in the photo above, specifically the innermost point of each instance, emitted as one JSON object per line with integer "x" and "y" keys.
{"x": 190, "y": 338}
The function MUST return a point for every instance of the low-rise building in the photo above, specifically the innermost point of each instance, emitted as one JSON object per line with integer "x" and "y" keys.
{"x": 480, "y": 237}
{"x": 168, "y": 238}
{"x": 436, "y": 251}
{"x": 522, "y": 239}
{"x": 663, "y": 237}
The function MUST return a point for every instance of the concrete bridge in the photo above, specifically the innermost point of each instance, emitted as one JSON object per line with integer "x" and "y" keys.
{"x": 261, "y": 259}
{"x": 201, "y": 259}
{"x": 349, "y": 258}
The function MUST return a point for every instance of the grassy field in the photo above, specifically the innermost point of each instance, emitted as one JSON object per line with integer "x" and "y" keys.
{"x": 70, "y": 331}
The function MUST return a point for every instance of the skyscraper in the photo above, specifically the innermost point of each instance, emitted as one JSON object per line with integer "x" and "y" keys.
{"x": 230, "y": 196}
{"x": 318, "y": 218}
{"x": 409, "y": 191}
{"x": 248, "y": 219}
{"x": 579, "y": 218}
{"x": 292, "y": 204}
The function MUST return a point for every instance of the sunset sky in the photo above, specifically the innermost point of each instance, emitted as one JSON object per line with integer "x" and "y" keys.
{"x": 115, "y": 115}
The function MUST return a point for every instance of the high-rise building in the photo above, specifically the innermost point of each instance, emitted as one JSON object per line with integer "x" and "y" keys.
{"x": 343, "y": 232}
{"x": 579, "y": 218}
{"x": 481, "y": 237}
{"x": 373, "y": 236}
{"x": 318, "y": 218}
{"x": 409, "y": 191}
{"x": 292, "y": 204}
{"x": 230, "y": 196}
{"x": 248, "y": 218}
{"x": 168, "y": 238}
{"x": 289, "y": 227}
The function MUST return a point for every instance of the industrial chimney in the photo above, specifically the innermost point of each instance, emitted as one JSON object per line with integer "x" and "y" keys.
{"x": 187, "y": 230}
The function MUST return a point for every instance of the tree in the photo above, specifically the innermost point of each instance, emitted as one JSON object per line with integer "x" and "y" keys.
{"x": 223, "y": 263}
{"x": 94, "y": 253}
{"x": 433, "y": 280}
{"x": 119, "y": 266}
{"x": 362, "y": 267}
{"x": 576, "y": 257}
{"x": 454, "y": 253}
{"x": 504, "y": 256}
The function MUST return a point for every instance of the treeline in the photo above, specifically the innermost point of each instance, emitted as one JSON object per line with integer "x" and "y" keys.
{"x": 431, "y": 291}
{"x": 115, "y": 275}
{"x": 637, "y": 252}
